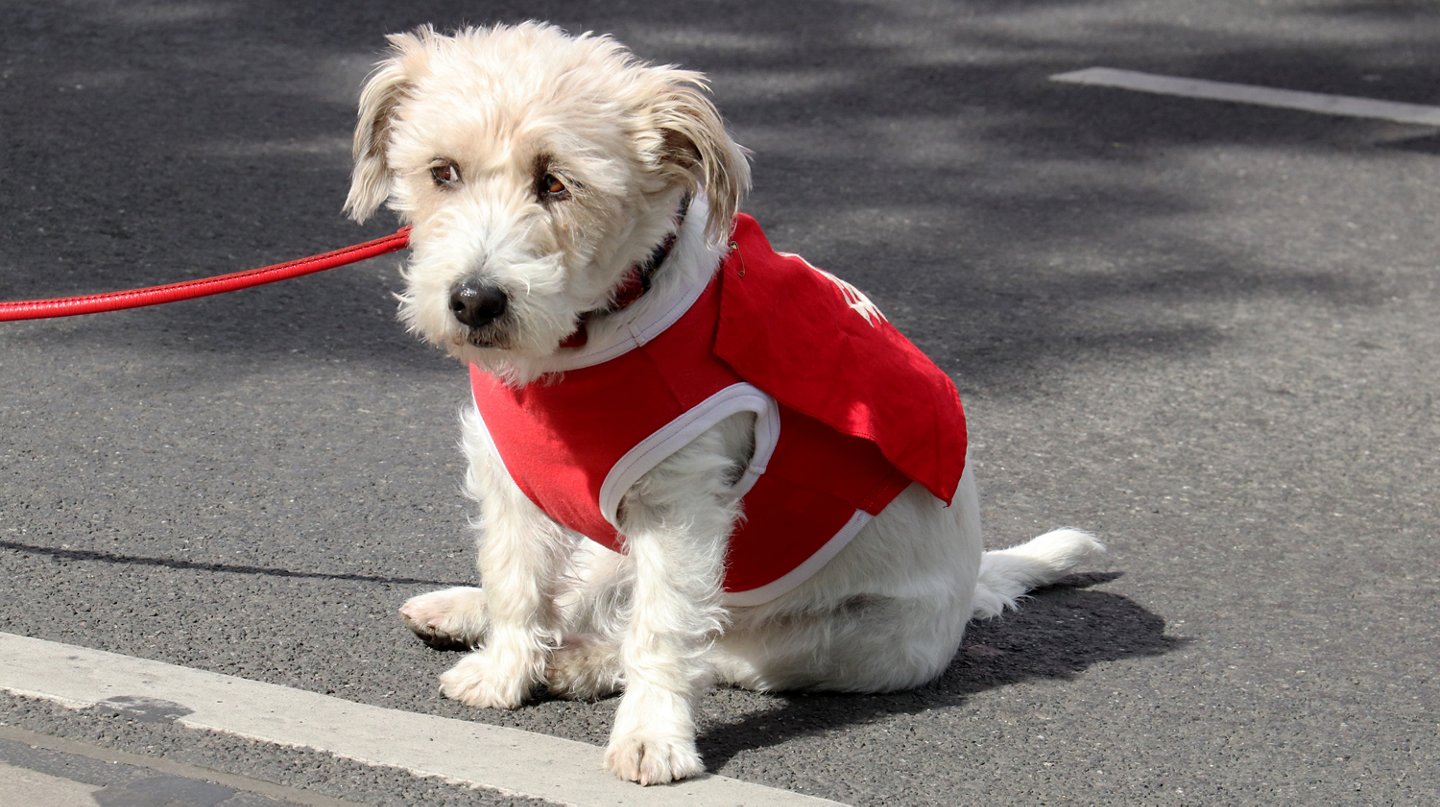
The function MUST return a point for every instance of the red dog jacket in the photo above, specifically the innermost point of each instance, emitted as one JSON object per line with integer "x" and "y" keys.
{"x": 848, "y": 414}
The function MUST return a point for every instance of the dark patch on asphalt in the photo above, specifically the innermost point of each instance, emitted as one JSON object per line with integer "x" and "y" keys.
{"x": 145, "y": 710}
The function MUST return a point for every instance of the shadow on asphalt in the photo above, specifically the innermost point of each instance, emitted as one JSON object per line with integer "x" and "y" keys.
{"x": 224, "y": 568}
{"x": 937, "y": 183}
{"x": 1060, "y": 632}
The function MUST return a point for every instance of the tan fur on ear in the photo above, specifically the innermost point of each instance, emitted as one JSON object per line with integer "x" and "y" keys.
{"x": 386, "y": 87}
{"x": 696, "y": 144}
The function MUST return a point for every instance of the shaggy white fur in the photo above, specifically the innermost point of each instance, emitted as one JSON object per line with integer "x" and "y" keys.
{"x": 536, "y": 169}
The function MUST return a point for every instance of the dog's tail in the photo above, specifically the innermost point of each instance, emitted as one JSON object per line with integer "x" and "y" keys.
{"x": 1006, "y": 574}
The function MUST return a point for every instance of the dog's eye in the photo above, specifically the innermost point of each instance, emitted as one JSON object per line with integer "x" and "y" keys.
{"x": 552, "y": 189}
{"x": 445, "y": 174}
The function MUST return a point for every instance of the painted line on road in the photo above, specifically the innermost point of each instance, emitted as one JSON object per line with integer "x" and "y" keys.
{"x": 1321, "y": 103}
{"x": 510, "y": 761}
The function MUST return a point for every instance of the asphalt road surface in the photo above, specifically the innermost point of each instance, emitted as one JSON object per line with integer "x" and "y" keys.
{"x": 1207, "y": 331}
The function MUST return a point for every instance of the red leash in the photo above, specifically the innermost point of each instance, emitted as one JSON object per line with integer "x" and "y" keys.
{"x": 201, "y": 287}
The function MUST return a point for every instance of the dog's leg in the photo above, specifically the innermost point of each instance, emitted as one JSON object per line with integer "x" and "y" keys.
{"x": 867, "y": 623}
{"x": 873, "y": 644}
{"x": 883, "y": 643}
{"x": 586, "y": 666}
{"x": 887, "y": 613}
{"x": 450, "y": 617}
{"x": 521, "y": 555}
{"x": 677, "y": 522}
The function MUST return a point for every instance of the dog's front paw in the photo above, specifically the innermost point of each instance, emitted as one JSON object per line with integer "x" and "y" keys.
{"x": 478, "y": 680}
{"x": 640, "y": 756}
{"x": 452, "y": 617}
{"x": 584, "y": 668}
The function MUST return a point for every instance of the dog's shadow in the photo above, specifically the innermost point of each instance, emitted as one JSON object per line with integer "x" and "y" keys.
{"x": 1058, "y": 633}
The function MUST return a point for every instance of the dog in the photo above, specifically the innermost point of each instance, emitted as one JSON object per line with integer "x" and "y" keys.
{"x": 571, "y": 206}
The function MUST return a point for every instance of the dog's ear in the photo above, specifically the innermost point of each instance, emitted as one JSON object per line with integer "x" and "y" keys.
{"x": 386, "y": 87}
{"x": 694, "y": 144}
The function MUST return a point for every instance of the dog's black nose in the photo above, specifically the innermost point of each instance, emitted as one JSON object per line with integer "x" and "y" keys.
{"x": 476, "y": 305}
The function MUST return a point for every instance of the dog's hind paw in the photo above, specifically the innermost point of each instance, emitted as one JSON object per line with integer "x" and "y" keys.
{"x": 584, "y": 668}
{"x": 650, "y": 760}
{"x": 451, "y": 617}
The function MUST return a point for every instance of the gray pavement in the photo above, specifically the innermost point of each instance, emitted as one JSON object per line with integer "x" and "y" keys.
{"x": 1206, "y": 331}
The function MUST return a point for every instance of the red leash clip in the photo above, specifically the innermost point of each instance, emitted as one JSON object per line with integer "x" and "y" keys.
{"x": 201, "y": 287}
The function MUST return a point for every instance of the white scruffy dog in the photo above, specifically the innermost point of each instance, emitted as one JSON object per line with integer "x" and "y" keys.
{"x": 537, "y": 169}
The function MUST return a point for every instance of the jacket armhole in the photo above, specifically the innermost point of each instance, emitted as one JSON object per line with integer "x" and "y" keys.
{"x": 680, "y": 432}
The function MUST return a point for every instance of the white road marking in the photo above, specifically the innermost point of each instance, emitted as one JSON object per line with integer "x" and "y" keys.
{"x": 508, "y": 760}
{"x": 1346, "y": 105}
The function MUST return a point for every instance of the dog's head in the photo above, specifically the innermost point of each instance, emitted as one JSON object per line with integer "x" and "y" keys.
{"x": 535, "y": 169}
